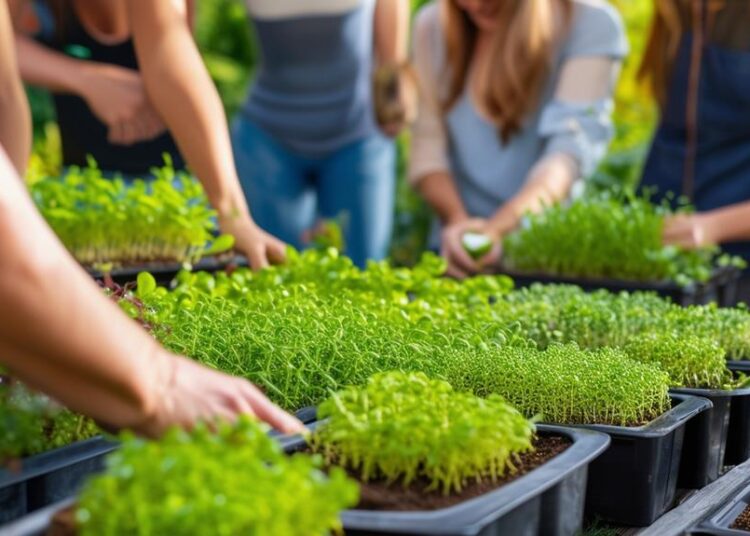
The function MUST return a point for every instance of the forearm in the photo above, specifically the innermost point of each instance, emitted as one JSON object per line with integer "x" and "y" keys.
{"x": 548, "y": 182}
{"x": 15, "y": 124}
{"x": 731, "y": 223}
{"x": 59, "y": 333}
{"x": 47, "y": 68}
{"x": 392, "y": 31}
{"x": 182, "y": 91}
{"x": 440, "y": 193}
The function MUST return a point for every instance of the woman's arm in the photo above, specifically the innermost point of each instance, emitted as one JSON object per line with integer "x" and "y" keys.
{"x": 573, "y": 141}
{"x": 114, "y": 94}
{"x": 15, "y": 123}
{"x": 718, "y": 226}
{"x": 179, "y": 86}
{"x": 395, "y": 94}
{"x": 60, "y": 334}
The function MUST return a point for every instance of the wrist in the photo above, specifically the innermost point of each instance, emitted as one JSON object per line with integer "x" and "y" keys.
{"x": 712, "y": 227}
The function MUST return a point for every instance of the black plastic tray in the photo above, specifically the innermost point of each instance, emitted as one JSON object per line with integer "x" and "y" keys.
{"x": 707, "y": 436}
{"x": 36, "y": 523}
{"x": 738, "y": 437}
{"x": 719, "y": 521}
{"x": 307, "y": 414}
{"x": 49, "y": 477}
{"x": 164, "y": 273}
{"x": 548, "y": 501}
{"x": 635, "y": 481}
{"x": 721, "y": 288}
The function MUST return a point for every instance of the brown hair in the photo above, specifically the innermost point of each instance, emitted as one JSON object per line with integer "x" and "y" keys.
{"x": 715, "y": 20}
{"x": 511, "y": 80}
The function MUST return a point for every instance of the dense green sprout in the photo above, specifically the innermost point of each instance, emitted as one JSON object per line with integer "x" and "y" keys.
{"x": 300, "y": 343}
{"x": 690, "y": 361}
{"x": 566, "y": 385}
{"x": 604, "y": 237}
{"x": 109, "y": 222}
{"x": 403, "y": 427}
{"x": 564, "y": 313}
{"x": 30, "y": 423}
{"x": 237, "y": 481}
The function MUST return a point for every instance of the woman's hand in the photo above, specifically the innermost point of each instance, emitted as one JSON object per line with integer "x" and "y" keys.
{"x": 460, "y": 262}
{"x": 118, "y": 98}
{"x": 260, "y": 248}
{"x": 195, "y": 393}
{"x": 395, "y": 96}
{"x": 691, "y": 231}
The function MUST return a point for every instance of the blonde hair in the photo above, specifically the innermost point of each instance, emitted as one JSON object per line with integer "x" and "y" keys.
{"x": 510, "y": 82}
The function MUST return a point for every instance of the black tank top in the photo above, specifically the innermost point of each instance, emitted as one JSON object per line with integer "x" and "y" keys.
{"x": 81, "y": 131}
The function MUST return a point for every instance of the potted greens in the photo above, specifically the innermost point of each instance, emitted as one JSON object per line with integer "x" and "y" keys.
{"x": 431, "y": 460}
{"x": 614, "y": 242}
{"x": 235, "y": 481}
{"x": 46, "y": 452}
{"x": 119, "y": 228}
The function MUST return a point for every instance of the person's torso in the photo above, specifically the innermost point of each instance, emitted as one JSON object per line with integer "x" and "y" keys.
{"x": 487, "y": 170}
{"x": 721, "y": 163}
{"x": 312, "y": 91}
{"x": 82, "y": 133}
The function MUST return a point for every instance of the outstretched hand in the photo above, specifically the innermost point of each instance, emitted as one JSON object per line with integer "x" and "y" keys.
{"x": 260, "y": 248}
{"x": 195, "y": 393}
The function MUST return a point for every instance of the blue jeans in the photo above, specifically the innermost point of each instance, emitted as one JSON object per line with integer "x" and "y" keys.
{"x": 288, "y": 192}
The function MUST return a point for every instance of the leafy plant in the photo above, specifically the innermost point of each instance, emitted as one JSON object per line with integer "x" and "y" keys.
{"x": 605, "y": 237}
{"x": 301, "y": 339}
{"x": 690, "y": 361}
{"x": 565, "y": 313}
{"x": 403, "y": 427}
{"x": 566, "y": 385}
{"x": 237, "y": 481}
{"x": 32, "y": 424}
{"x": 108, "y": 222}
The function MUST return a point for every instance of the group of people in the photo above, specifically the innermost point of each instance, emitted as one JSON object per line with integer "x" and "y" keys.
{"x": 511, "y": 104}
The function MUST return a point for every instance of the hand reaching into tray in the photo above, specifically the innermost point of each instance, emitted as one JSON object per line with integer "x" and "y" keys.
{"x": 61, "y": 335}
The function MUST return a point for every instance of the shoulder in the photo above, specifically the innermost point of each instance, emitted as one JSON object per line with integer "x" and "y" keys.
{"x": 597, "y": 29}
{"x": 428, "y": 34}
{"x": 427, "y": 19}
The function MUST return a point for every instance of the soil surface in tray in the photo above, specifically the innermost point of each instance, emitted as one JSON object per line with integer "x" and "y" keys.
{"x": 376, "y": 495}
{"x": 743, "y": 521}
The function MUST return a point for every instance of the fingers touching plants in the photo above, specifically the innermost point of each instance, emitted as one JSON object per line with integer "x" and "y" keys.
{"x": 260, "y": 248}
{"x": 198, "y": 394}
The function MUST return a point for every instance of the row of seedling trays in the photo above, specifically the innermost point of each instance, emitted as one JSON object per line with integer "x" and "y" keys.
{"x": 628, "y": 476}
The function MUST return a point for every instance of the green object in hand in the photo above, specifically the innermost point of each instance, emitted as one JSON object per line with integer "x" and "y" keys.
{"x": 476, "y": 244}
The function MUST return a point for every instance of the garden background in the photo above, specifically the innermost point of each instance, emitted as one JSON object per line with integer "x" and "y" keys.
{"x": 226, "y": 42}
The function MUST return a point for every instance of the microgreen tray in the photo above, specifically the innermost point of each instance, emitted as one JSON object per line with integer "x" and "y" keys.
{"x": 547, "y": 501}
{"x": 164, "y": 273}
{"x": 738, "y": 436}
{"x": 720, "y": 288}
{"x": 49, "y": 477}
{"x": 719, "y": 522}
{"x": 707, "y": 436}
{"x": 635, "y": 481}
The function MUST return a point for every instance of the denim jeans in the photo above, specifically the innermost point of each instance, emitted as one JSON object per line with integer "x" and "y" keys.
{"x": 287, "y": 192}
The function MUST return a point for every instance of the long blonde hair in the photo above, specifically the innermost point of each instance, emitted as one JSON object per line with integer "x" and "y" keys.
{"x": 511, "y": 81}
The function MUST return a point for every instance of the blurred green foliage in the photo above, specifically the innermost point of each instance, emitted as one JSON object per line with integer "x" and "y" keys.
{"x": 227, "y": 44}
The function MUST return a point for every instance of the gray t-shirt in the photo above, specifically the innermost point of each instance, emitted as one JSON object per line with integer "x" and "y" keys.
{"x": 487, "y": 171}
{"x": 312, "y": 91}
